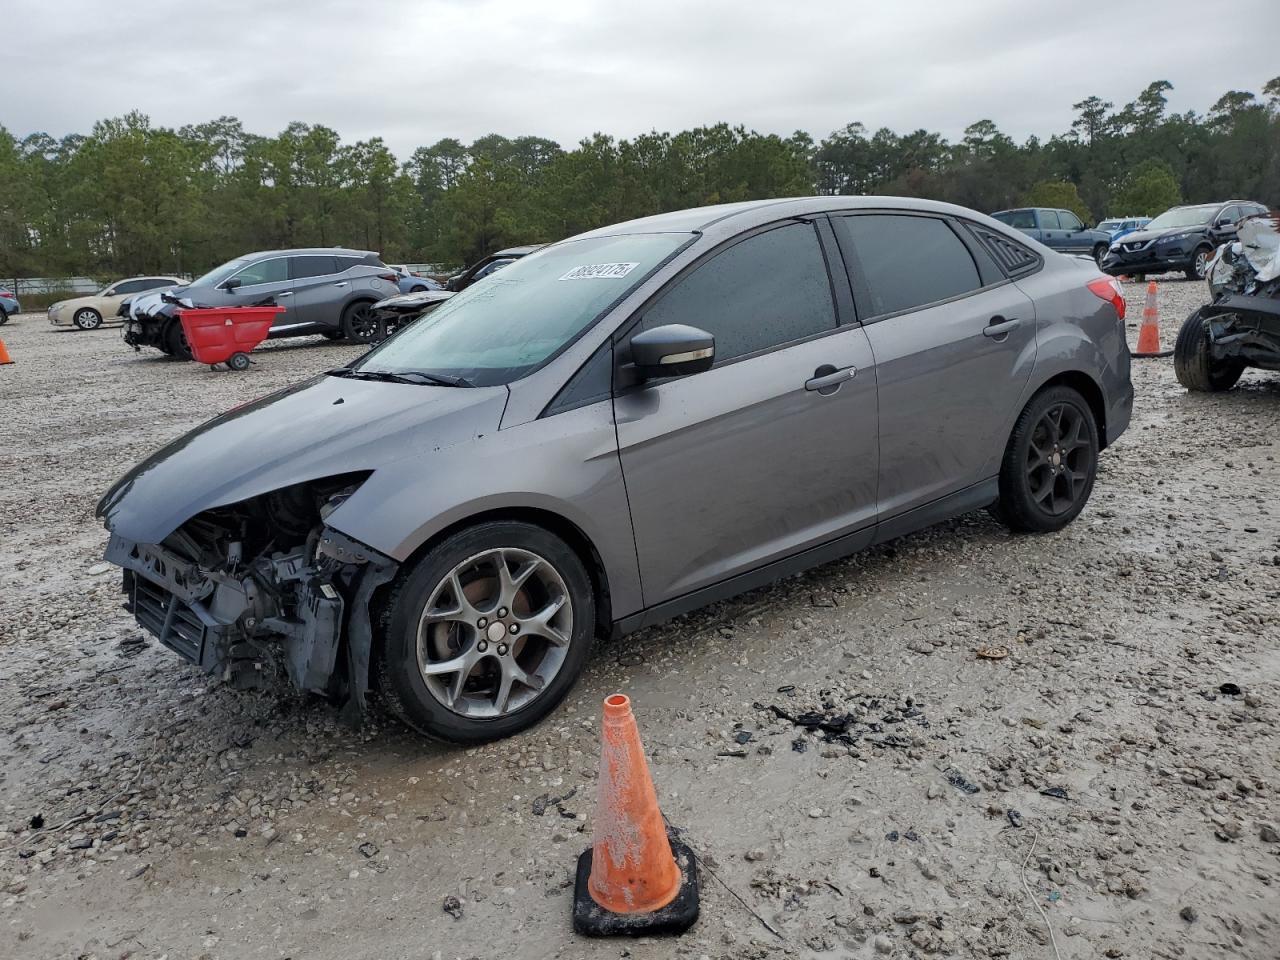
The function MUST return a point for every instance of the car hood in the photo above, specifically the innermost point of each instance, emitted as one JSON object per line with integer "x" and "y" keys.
{"x": 407, "y": 302}
{"x": 1142, "y": 236}
{"x": 323, "y": 427}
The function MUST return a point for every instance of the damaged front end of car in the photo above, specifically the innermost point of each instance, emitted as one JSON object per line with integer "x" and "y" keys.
{"x": 263, "y": 586}
{"x": 1243, "y": 317}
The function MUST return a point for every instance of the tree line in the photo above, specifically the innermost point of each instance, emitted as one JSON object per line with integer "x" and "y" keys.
{"x": 131, "y": 197}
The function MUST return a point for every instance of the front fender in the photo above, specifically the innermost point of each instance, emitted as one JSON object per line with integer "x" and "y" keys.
{"x": 566, "y": 465}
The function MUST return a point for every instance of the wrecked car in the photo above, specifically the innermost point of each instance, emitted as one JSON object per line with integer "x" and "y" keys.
{"x": 399, "y": 311}
{"x": 1240, "y": 326}
{"x": 616, "y": 429}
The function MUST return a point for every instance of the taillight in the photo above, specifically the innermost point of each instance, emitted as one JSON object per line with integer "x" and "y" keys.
{"x": 6, "y": 295}
{"x": 389, "y": 277}
{"x": 1109, "y": 289}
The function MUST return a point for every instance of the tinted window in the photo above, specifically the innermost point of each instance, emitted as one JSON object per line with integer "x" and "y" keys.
{"x": 1228, "y": 215}
{"x": 1019, "y": 219}
{"x": 155, "y": 283}
{"x": 128, "y": 286}
{"x": 1069, "y": 220}
{"x": 346, "y": 263}
{"x": 907, "y": 261}
{"x": 264, "y": 271}
{"x": 311, "y": 266}
{"x": 767, "y": 290}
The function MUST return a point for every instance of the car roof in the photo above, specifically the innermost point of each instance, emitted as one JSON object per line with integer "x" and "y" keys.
{"x": 304, "y": 251}
{"x": 728, "y": 215}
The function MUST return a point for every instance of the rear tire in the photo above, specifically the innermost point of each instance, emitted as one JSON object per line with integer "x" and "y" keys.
{"x": 466, "y": 705}
{"x": 331, "y": 334}
{"x": 359, "y": 324}
{"x": 1193, "y": 362}
{"x": 1050, "y": 463}
{"x": 1099, "y": 252}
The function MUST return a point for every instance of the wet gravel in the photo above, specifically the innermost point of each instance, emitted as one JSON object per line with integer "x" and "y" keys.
{"x": 842, "y": 748}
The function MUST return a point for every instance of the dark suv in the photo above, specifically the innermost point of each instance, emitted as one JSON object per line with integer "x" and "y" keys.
{"x": 1182, "y": 238}
{"x": 1060, "y": 230}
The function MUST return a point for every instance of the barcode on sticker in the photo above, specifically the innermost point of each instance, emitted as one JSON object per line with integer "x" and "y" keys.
{"x": 600, "y": 271}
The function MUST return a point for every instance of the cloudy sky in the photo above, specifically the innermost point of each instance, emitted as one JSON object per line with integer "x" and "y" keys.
{"x": 413, "y": 71}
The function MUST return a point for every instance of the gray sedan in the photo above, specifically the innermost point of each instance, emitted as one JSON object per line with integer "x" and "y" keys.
{"x": 616, "y": 429}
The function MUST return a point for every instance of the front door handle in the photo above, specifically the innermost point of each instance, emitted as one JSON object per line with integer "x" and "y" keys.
{"x": 999, "y": 328}
{"x": 827, "y": 379}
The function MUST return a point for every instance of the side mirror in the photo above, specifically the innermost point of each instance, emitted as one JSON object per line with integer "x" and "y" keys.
{"x": 231, "y": 283}
{"x": 673, "y": 350}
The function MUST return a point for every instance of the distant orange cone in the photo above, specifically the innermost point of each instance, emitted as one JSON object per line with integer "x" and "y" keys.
{"x": 635, "y": 879}
{"x": 4, "y": 354}
{"x": 1149, "y": 332}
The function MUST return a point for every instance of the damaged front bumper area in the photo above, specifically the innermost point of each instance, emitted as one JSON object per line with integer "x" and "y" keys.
{"x": 1244, "y": 285}
{"x": 306, "y": 610}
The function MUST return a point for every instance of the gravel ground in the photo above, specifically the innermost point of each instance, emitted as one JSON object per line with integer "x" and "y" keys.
{"x": 1116, "y": 774}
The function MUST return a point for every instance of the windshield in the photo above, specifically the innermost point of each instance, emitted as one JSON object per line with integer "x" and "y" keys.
{"x": 218, "y": 274}
{"x": 1109, "y": 225}
{"x": 508, "y": 324}
{"x": 1183, "y": 217}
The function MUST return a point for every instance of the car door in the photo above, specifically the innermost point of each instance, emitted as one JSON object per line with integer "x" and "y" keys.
{"x": 1223, "y": 229}
{"x": 1050, "y": 229}
{"x": 318, "y": 290}
{"x": 262, "y": 279}
{"x": 1074, "y": 239}
{"x": 772, "y": 450}
{"x": 954, "y": 346}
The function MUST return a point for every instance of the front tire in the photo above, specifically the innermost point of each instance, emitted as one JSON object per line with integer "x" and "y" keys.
{"x": 1193, "y": 361}
{"x": 1199, "y": 263}
{"x": 1099, "y": 252}
{"x": 1050, "y": 462}
{"x": 87, "y": 318}
{"x": 359, "y": 325}
{"x": 175, "y": 339}
{"x": 486, "y": 633}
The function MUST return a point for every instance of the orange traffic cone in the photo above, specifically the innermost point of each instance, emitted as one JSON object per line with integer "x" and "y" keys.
{"x": 635, "y": 879}
{"x": 1149, "y": 332}
{"x": 4, "y": 354}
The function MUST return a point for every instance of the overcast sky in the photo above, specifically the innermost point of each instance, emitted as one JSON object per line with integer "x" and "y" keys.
{"x": 413, "y": 71}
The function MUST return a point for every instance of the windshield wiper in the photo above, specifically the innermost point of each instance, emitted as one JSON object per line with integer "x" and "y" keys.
{"x": 404, "y": 376}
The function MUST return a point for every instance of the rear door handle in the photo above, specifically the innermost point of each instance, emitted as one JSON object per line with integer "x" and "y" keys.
{"x": 827, "y": 379}
{"x": 285, "y": 293}
{"x": 342, "y": 283}
{"x": 999, "y": 327}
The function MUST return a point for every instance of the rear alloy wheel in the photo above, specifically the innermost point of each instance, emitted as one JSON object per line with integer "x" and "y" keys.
{"x": 1193, "y": 361}
{"x": 1199, "y": 263}
{"x": 1050, "y": 463}
{"x": 1099, "y": 252}
{"x": 359, "y": 325}
{"x": 87, "y": 318}
{"x": 486, "y": 633}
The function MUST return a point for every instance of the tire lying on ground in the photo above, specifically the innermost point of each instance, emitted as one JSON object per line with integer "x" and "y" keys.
{"x": 1193, "y": 361}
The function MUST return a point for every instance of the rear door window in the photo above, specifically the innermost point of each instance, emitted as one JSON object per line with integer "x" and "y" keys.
{"x": 1018, "y": 219}
{"x": 128, "y": 286}
{"x": 767, "y": 290}
{"x": 311, "y": 266}
{"x": 906, "y": 261}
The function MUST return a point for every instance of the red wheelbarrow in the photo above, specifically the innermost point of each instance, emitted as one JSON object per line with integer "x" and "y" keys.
{"x": 226, "y": 334}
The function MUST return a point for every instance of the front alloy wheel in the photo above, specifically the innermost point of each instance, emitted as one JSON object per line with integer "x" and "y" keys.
{"x": 1050, "y": 462}
{"x": 486, "y": 633}
{"x": 87, "y": 319}
{"x": 1199, "y": 264}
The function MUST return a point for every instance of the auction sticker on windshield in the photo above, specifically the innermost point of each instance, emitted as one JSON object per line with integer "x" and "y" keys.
{"x": 600, "y": 271}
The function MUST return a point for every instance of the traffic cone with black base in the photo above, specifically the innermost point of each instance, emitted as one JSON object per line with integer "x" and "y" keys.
{"x": 1149, "y": 332}
{"x": 636, "y": 879}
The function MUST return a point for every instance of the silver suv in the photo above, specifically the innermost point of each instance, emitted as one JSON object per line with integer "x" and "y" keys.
{"x": 325, "y": 290}
{"x": 616, "y": 429}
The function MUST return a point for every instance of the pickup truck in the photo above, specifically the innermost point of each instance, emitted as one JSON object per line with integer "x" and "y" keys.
{"x": 1061, "y": 230}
